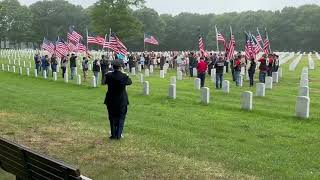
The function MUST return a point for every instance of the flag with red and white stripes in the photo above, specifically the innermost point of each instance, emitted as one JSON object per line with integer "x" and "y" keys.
{"x": 48, "y": 46}
{"x": 150, "y": 39}
{"x": 74, "y": 36}
{"x": 202, "y": 47}
{"x": 81, "y": 47}
{"x": 266, "y": 43}
{"x": 231, "y": 47}
{"x": 248, "y": 47}
{"x": 98, "y": 40}
{"x": 116, "y": 45}
{"x": 61, "y": 48}
{"x": 220, "y": 38}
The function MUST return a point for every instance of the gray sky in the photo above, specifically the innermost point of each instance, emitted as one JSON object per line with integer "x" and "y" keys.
{"x": 206, "y": 6}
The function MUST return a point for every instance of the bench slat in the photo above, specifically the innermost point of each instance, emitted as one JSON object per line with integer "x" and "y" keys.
{"x": 53, "y": 163}
{"x": 49, "y": 175}
{"x": 6, "y": 159}
{"x": 11, "y": 168}
{"x": 13, "y": 156}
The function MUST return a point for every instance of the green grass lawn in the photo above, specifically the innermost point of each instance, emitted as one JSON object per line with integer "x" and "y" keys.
{"x": 167, "y": 139}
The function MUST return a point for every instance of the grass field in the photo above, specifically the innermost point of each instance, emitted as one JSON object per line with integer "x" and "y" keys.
{"x": 167, "y": 139}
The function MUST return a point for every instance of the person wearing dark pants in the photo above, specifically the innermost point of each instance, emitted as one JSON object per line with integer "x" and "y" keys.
{"x": 251, "y": 71}
{"x": 117, "y": 99}
{"x": 219, "y": 72}
{"x": 232, "y": 69}
{"x": 202, "y": 68}
{"x": 104, "y": 67}
{"x": 263, "y": 69}
{"x": 192, "y": 63}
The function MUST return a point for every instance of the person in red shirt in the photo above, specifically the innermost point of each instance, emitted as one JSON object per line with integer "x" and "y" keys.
{"x": 270, "y": 64}
{"x": 202, "y": 68}
{"x": 263, "y": 68}
{"x": 237, "y": 69}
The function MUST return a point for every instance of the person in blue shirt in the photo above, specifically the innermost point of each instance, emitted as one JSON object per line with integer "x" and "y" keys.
{"x": 45, "y": 63}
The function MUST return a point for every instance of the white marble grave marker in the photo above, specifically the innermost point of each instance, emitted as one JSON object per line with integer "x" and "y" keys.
{"x": 304, "y": 91}
{"x": 197, "y": 83}
{"x": 180, "y": 75}
{"x": 20, "y": 70}
{"x": 172, "y": 91}
{"x": 173, "y": 80}
{"x": 261, "y": 90}
{"x": 147, "y": 72}
{"x": 275, "y": 77}
{"x": 146, "y": 90}
{"x": 94, "y": 82}
{"x": 79, "y": 79}
{"x": 246, "y": 100}
{"x": 133, "y": 71}
{"x": 141, "y": 78}
{"x": 162, "y": 74}
{"x": 205, "y": 95}
{"x": 226, "y": 86}
{"x": 302, "y": 107}
{"x": 35, "y": 73}
{"x": 28, "y": 71}
{"x": 269, "y": 81}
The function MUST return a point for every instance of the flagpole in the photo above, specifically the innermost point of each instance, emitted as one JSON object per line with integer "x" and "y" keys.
{"x": 87, "y": 39}
{"x": 217, "y": 38}
{"x": 268, "y": 39}
{"x": 144, "y": 43}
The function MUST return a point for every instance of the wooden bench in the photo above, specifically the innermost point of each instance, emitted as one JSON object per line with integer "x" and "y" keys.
{"x": 26, "y": 164}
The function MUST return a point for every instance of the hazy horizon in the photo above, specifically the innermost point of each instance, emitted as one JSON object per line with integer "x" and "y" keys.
{"x": 206, "y": 6}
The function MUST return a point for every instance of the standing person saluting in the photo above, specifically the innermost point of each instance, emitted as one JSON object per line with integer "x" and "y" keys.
{"x": 117, "y": 98}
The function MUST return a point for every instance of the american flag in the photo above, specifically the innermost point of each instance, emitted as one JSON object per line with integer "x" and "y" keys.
{"x": 61, "y": 48}
{"x": 73, "y": 36}
{"x": 266, "y": 43}
{"x": 116, "y": 45}
{"x": 232, "y": 46}
{"x": 150, "y": 39}
{"x": 220, "y": 37}
{"x": 202, "y": 46}
{"x": 256, "y": 46}
{"x": 48, "y": 46}
{"x": 71, "y": 46}
{"x": 259, "y": 38}
{"x": 95, "y": 40}
{"x": 248, "y": 47}
{"x": 81, "y": 47}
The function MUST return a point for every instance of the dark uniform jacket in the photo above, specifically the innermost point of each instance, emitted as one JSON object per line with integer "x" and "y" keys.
{"x": 117, "y": 97}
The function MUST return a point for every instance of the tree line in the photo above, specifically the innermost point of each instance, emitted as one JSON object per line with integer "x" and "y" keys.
{"x": 291, "y": 29}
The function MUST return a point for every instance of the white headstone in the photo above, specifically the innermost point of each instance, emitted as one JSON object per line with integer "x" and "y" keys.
{"x": 45, "y": 74}
{"x": 14, "y": 68}
{"x": 195, "y": 72}
{"x": 2, "y": 67}
{"x": 161, "y": 73}
{"x": 197, "y": 83}
{"x": 35, "y": 73}
{"x": 28, "y": 71}
{"x": 280, "y": 72}
{"x": 241, "y": 81}
{"x": 19, "y": 62}
{"x": 55, "y": 77}
{"x": 14, "y": 62}
{"x": 302, "y": 107}
{"x": 269, "y": 81}
{"x": 226, "y": 86}
{"x": 147, "y": 72}
{"x": 24, "y": 63}
{"x": 173, "y": 80}
{"x": 139, "y": 67}
{"x": 79, "y": 79}
{"x": 146, "y": 90}
{"x": 172, "y": 91}
{"x": 133, "y": 71}
{"x": 141, "y": 78}
{"x": 304, "y": 76}
{"x": 304, "y": 91}
{"x": 304, "y": 82}
{"x": 20, "y": 70}
{"x": 58, "y": 69}
{"x": 261, "y": 90}
{"x": 151, "y": 69}
{"x": 66, "y": 79}
{"x": 205, "y": 95}
{"x": 94, "y": 82}
{"x": 246, "y": 100}
{"x": 213, "y": 75}
{"x": 9, "y": 61}
{"x": 275, "y": 77}
{"x": 180, "y": 75}
{"x": 30, "y": 65}
{"x": 224, "y": 69}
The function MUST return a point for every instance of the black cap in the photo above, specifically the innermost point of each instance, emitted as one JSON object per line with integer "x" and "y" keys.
{"x": 117, "y": 63}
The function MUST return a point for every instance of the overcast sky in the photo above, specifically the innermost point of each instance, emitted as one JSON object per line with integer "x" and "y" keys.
{"x": 207, "y": 6}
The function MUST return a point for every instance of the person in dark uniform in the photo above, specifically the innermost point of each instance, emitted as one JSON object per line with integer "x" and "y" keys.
{"x": 104, "y": 67}
{"x": 251, "y": 71}
{"x": 117, "y": 98}
{"x": 162, "y": 61}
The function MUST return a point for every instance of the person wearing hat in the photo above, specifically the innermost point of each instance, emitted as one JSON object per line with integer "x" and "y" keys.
{"x": 117, "y": 98}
